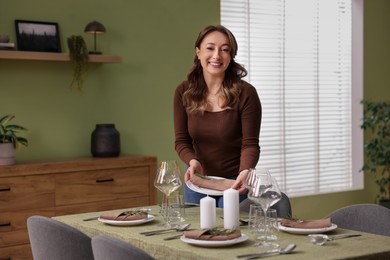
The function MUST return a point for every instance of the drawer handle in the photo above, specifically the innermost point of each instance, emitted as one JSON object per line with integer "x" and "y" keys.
{"x": 5, "y": 224}
{"x": 105, "y": 180}
{"x": 5, "y": 189}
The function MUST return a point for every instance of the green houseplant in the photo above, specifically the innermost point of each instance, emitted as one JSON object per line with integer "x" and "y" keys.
{"x": 78, "y": 54}
{"x": 376, "y": 120}
{"x": 10, "y": 139}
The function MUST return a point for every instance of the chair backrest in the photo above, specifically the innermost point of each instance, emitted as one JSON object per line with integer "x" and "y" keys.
{"x": 110, "y": 248}
{"x": 52, "y": 239}
{"x": 283, "y": 206}
{"x": 370, "y": 218}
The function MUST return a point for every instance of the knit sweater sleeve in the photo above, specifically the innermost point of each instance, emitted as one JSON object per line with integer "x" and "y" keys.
{"x": 251, "y": 113}
{"x": 183, "y": 140}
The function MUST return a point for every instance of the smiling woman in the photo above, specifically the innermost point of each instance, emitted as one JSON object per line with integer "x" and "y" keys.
{"x": 217, "y": 115}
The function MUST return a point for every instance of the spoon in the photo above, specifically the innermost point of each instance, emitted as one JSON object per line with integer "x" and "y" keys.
{"x": 155, "y": 232}
{"x": 321, "y": 239}
{"x": 286, "y": 250}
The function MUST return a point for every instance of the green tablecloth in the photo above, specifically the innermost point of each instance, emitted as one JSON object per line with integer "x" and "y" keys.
{"x": 366, "y": 246}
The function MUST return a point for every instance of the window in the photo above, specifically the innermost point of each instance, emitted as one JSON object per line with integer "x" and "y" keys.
{"x": 305, "y": 59}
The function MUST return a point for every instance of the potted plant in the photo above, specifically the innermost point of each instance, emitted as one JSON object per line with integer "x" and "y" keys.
{"x": 10, "y": 139}
{"x": 376, "y": 120}
{"x": 78, "y": 54}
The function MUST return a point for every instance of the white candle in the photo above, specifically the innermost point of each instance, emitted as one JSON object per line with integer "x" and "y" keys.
{"x": 231, "y": 209}
{"x": 207, "y": 212}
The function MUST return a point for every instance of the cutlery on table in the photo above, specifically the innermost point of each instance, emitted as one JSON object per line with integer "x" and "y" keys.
{"x": 173, "y": 237}
{"x": 140, "y": 209}
{"x": 88, "y": 219}
{"x": 321, "y": 239}
{"x": 286, "y": 250}
{"x": 155, "y": 232}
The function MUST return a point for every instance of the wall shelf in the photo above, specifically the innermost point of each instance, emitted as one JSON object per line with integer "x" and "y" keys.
{"x": 54, "y": 56}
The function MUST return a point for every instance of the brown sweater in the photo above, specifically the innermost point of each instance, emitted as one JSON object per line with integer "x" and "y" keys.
{"x": 224, "y": 142}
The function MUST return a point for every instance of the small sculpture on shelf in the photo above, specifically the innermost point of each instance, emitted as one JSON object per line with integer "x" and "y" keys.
{"x": 5, "y": 43}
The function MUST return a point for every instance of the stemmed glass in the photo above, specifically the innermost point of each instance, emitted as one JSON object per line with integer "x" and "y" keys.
{"x": 264, "y": 191}
{"x": 167, "y": 180}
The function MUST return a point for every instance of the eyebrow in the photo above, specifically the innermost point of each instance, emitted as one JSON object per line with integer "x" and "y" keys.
{"x": 225, "y": 44}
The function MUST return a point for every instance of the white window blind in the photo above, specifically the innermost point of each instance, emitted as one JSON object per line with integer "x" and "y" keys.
{"x": 305, "y": 62}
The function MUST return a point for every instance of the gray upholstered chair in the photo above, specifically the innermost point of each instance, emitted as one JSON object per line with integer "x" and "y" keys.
{"x": 283, "y": 206}
{"x": 370, "y": 218}
{"x": 109, "y": 248}
{"x": 52, "y": 239}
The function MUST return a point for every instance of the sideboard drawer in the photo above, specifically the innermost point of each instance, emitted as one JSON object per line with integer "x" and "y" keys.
{"x": 102, "y": 206}
{"x": 27, "y": 192}
{"x": 13, "y": 225}
{"x": 20, "y": 252}
{"x": 17, "y": 220}
{"x": 102, "y": 185}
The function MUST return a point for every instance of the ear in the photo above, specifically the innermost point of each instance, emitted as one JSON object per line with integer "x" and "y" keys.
{"x": 197, "y": 50}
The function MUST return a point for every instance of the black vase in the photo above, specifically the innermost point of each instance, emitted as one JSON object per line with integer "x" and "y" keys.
{"x": 105, "y": 141}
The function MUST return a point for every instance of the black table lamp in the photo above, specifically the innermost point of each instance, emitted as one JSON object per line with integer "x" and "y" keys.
{"x": 95, "y": 28}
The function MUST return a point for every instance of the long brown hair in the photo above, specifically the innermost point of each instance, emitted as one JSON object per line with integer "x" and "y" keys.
{"x": 195, "y": 97}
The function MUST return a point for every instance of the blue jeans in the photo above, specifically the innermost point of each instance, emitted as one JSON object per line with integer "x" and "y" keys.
{"x": 191, "y": 196}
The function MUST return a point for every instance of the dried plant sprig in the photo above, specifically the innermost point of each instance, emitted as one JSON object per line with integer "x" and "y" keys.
{"x": 221, "y": 231}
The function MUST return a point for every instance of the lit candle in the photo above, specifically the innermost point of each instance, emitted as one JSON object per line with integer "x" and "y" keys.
{"x": 231, "y": 209}
{"x": 207, "y": 212}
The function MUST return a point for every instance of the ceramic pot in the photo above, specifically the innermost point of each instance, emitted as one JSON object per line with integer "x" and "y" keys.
{"x": 105, "y": 141}
{"x": 7, "y": 154}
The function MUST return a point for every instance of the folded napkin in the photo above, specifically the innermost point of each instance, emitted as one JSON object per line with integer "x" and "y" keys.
{"x": 319, "y": 223}
{"x": 125, "y": 215}
{"x": 209, "y": 183}
{"x": 213, "y": 234}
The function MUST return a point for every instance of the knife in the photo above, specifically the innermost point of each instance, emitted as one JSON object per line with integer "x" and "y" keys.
{"x": 342, "y": 236}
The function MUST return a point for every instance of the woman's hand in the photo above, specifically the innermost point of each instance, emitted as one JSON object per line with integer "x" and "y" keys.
{"x": 240, "y": 182}
{"x": 193, "y": 167}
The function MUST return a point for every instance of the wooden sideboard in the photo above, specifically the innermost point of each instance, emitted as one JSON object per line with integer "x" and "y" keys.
{"x": 75, "y": 185}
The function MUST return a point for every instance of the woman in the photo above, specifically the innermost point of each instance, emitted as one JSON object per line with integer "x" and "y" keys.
{"x": 217, "y": 115}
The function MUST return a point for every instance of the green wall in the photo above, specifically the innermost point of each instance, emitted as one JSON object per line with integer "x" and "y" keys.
{"x": 155, "y": 39}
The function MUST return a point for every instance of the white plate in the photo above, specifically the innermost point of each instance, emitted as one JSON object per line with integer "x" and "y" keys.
{"x": 126, "y": 222}
{"x": 208, "y": 243}
{"x": 205, "y": 190}
{"x": 306, "y": 231}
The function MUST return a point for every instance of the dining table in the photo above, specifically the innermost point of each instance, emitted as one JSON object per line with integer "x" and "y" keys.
{"x": 365, "y": 246}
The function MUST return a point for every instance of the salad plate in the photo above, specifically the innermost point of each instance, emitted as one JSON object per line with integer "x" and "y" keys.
{"x": 205, "y": 191}
{"x": 210, "y": 243}
{"x": 305, "y": 231}
{"x": 126, "y": 222}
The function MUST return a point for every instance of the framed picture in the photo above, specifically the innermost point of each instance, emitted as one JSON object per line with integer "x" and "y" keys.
{"x": 37, "y": 36}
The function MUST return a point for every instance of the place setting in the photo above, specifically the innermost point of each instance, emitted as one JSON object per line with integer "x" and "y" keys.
{"x": 212, "y": 235}
{"x": 126, "y": 218}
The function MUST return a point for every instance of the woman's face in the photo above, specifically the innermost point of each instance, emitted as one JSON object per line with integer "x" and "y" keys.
{"x": 214, "y": 54}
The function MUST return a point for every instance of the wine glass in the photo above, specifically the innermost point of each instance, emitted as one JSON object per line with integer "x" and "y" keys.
{"x": 167, "y": 180}
{"x": 250, "y": 177}
{"x": 264, "y": 191}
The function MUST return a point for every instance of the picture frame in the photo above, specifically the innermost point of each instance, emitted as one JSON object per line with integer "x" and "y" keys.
{"x": 37, "y": 36}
